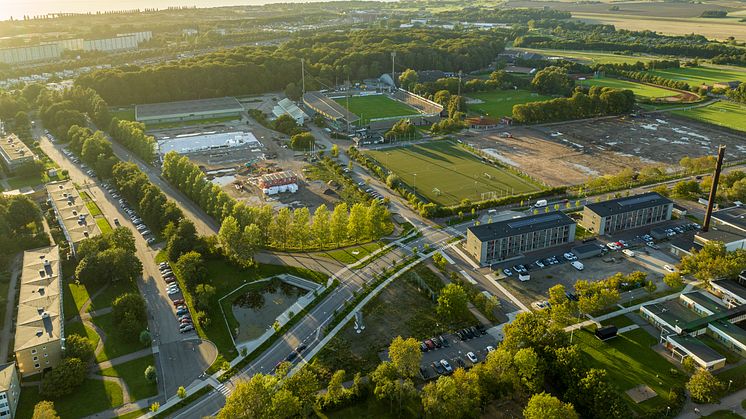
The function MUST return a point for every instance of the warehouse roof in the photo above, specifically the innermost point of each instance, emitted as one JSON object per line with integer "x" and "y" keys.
{"x": 706, "y": 302}
{"x": 39, "y": 302}
{"x": 733, "y": 216}
{"x": 732, "y": 287}
{"x": 287, "y": 106}
{"x": 187, "y": 107}
{"x": 626, "y": 204}
{"x": 521, "y": 225}
{"x": 328, "y": 107}
{"x": 731, "y": 330}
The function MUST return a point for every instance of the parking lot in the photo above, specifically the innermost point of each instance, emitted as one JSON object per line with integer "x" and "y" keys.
{"x": 454, "y": 351}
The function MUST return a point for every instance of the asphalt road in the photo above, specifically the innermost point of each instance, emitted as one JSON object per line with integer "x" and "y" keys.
{"x": 181, "y": 357}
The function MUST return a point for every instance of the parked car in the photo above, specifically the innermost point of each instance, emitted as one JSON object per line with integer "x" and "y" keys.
{"x": 172, "y": 291}
{"x": 170, "y": 280}
{"x": 423, "y": 347}
{"x": 116, "y": 222}
{"x": 430, "y": 344}
{"x": 186, "y": 321}
{"x": 300, "y": 349}
{"x": 490, "y": 349}
{"x": 444, "y": 341}
{"x": 291, "y": 356}
{"x": 182, "y": 312}
{"x": 186, "y": 328}
{"x": 460, "y": 363}
{"x": 472, "y": 357}
{"x": 150, "y": 240}
{"x": 507, "y": 272}
{"x": 539, "y": 264}
{"x": 178, "y": 302}
{"x": 438, "y": 367}
{"x": 446, "y": 366}
{"x": 437, "y": 342}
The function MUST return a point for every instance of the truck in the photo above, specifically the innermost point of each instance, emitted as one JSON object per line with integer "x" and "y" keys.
{"x": 524, "y": 277}
{"x": 540, "y": 203}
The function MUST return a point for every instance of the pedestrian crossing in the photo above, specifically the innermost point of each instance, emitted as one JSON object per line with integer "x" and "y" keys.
{"x": 224, "y": 389}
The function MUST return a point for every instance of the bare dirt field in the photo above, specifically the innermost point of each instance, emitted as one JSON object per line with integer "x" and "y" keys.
{"x": 573, "y": 152}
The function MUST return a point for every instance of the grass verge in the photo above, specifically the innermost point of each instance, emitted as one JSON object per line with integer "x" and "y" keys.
{"x": 114, "y": 345}
{"x": 133, "y": 374}
{"x": 91, "y": 397}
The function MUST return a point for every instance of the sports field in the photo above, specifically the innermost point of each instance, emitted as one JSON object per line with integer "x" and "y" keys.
{"x": 590, "y": 57}
{"x": 500, "y": 102}
{"x": 640, "y": 90}
{"x": 445, "y": 174}
{"x": 696, "y": 76}
{"x": 726, "y": 114}
{"x": 377, "y": 106}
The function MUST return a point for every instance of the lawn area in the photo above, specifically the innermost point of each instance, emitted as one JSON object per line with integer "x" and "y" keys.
{"x": 75, "y": 296}
{"x": 446, "y": 174}
{"x": 115, "y": 345}
{"x": 204, "y": 121}
{"x": 78, "y": 328}
{"x": 619, "y": 321}
{"x": 133, "y": 373}
{"x": 640, "y": 90}
{"x": 29, "y": 180}
{"x": 593, "y": 56}
{"x": 500, "y": 103}
{"x": 696, "y": 76}
{"x": 91, "y": 397}
{"x": 103, "y": 225}
{"x": 350, "y": 255}
{"x": 401, "y": 309}
{"x": 726, "y": 114}
{"x": 92, "y": 207}
{"x": 111, "y": 292}
{"x": 377, "y": 106}
{"x": 226, "y": 277}
{"x": 123, "y": 113}
{"x": 629, "y": 362}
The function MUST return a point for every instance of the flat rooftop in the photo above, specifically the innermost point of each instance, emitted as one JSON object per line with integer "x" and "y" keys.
{"x": 695, "y": 347}
{"x": 14, "y": 148}
{"x": 731, "y": 330}
{"x": 629, "y": 203}
{"x": 187, "y": 107}
{"x": 732, "y": 287}
{"x": 40, "y": 301}
{"x": 521, "y": 225}
{"x": 207, "y": 141}
{"x": 72, "y": 211}
{"x": 673, "y": 312}
{"x": 726, "y": 233}
{"x": 733, "y": 216}
{"x": 704, "y": 301}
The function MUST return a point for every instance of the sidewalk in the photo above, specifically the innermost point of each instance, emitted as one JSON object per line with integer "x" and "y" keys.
{"x": 124, "y": 358}
{"x": 731, "y": 403}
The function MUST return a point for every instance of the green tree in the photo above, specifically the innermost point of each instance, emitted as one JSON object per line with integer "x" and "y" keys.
{"x": 80, "y": 347}
{"x": 545, "y": 406}
{"x": 338, "y": 224}
{"x": 301, "y": 228}
{"x": 280, "y": 227}
{"x": 335, "y": 150}
{"x": 183, "y": 240}
{"x": 388, "y": 386}
{"x": 356, "y": 222}
{"x": 150, "y": 374}
{"x": 203, "y": 294}
{"x": 552, "y": 81}
{"x": 45, "y": 410}
{"x": 713, "y": 262}
{"x": 64, "y": 378}
{"x": 303, "y": 141}
{"x": 335, "y": 390}
{"x": 130, "y": 316}
{"x": 704, "y": 387}
{"x": 452, "y": 302}
{"x": 454, "y": 396}
{"x": 405, "y": 355}
{"x": 595, "y": 397}
{"x": 181, "y": 392}
{"x": 673, "y": 279}
{"x": 292, "y": 91}
{"x": 320, "y": 227}
{"x": 528, "y": 366}
{"x": 408, "y": 78}
{"x": 191, "y": 268}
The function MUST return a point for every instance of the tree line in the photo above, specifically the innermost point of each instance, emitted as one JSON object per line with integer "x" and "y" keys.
{"x": 599, "y": 101}
{"x": 329, "y": 57}
{"x": 60, "y": 110}
{"x": 132, "y": 135}
{"x": 738, "y": 94}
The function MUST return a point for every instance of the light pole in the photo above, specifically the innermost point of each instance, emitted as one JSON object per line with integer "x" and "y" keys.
{"x": 415, "y": 184}
{"x": 729, "y": 383}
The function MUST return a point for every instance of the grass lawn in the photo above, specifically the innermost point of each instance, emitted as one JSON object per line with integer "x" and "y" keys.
{"x": 446, "y": 174}
{"x": 79, "y": 295}
{"x": 92, "y": 207}
{"x": 133, "y": 373}
{"x": 619, "y": 321}
{"x": 629, "y": 362}
{"x": 727, "y": 114}
{"x": 91, "y": 397}
{"x": 114, "y": 346}
{"x": 350, "y": 255}
{"x": 378, "y": 106}
{"x": 204, "y": 121}
{"x": 80, "y": 329}
{"x": 696, "y": 76}
{"x": 400, "y": 309}
{"x": 103, "y": 225}
{"x": 226, "y": 277}
{"x": 500, "y": 102}
{"x": 123, "y": 113}
{"x": 731, "y": 373}
{"x": 640, "y": 90}
{"x": 110, "y": 293}
{"x": 29, "y": 180}
{"x": 723, "y": 414}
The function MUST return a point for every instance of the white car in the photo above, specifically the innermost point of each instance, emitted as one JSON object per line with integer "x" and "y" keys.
{"x": 490, "y": 349}
{"x": 669, "y": 268}
{"x": 172, "y": 291}
{"x": 472, "y": 357}
{"x": 577, "y": 265}
{"x": 446, "y": 366}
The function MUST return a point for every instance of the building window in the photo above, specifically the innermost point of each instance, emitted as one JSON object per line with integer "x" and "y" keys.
{"x": 36, "y": 358}
{"x": 46, "y": 355}
{"x": 43, "y": 348}
{"x": 37, "y": 366}
{"x": 47, "y": 362}
{"x": 33, "y": 351}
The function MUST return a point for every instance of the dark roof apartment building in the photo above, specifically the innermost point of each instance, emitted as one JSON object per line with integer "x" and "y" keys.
{"x": 495, "y": 242}
{"x": 621, "y": 214}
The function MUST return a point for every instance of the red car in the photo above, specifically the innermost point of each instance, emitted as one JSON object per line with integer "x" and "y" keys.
{"x": 178, "y": 302}
{"x": 430, "y": 344}
{"x": 185, "y": 321}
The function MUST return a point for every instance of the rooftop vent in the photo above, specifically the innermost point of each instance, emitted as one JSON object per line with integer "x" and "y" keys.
{"x": 39, "y": 333}
{"x": 85, "y": 233}
{"x": 45, "y": 315}
{"x": 42, "y": 273}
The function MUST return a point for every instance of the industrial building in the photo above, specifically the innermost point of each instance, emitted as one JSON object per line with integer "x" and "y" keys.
{"x": 14, "y": 153}
{"x": 728, "y": 226}
{"x": 192, "y": 143}
{"x": 188, "y": 110}
{"x": 695, "y": 314}
{"x": 288, "y": 107}
{"x": 72, "y": 213}
{"x": 39, "y": 337}
{"x": 504, "y": 240}
{"x": 279, "y": 182}
{"x": 621, "y": 214}
{"x": 10, "y": 390}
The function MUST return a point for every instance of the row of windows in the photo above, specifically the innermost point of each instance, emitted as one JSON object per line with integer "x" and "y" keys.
{"x": 636, "y": 218}
{"x": 37, "y": 366}
{"x": 507, "y": 247}
{"x": 33, "y": 351}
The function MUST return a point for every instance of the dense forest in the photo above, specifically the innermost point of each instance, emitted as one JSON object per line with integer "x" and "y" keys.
{"x": 330, "y": 57}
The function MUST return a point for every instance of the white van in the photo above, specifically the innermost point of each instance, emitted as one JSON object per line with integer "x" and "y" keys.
{"x": 629, "y": 253}
{"x": 577, "y": 265}
{"x": 540, "y": 203}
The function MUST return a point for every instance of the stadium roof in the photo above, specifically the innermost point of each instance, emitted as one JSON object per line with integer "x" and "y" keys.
{"x": 40, "y": 300}
{"x": 521, "y": 225}
{"x": 328, "y": 107}
{"x": 626, "y": 204}
{"x": 187, "y": 107}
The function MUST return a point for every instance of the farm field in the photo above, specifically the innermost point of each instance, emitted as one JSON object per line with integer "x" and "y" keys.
{"x": 640, "y": 90}
{"x": 378, "y": 106}
{"x": 446, "y": 174}
{"x": 726, "y": 114}
{"x": 696, "y": 76}
{"x": 719, "y": 29}
{"x": 589, "y": 57}
{"x": 500, "y": 103}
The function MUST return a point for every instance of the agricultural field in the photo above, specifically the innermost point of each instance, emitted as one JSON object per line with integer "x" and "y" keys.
{"x": 726, "y": 114}
{"x": 378, "y": 106}
{"x": 446, "y": 174}
{"x": 592, "y": 57}
{"x": 696, "y": 76}
{"x": 500, "y": 102}
{"x": 639, "y": 89}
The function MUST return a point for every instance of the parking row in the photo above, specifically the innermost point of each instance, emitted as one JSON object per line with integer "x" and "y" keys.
{"x": 184, "y": 318}
{"x": 136, "y": 220}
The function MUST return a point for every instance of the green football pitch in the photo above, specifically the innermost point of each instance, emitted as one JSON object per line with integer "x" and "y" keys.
{"x": 376, "y": 106}
{"x": 446, "y": 174}
{"x": 697, "y": 76}
{"x": 500, "y": 102}
{"x": 727, "y": 114}
{"x": 639, "y": 89}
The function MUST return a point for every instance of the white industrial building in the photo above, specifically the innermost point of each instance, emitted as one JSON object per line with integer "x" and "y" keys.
{"x": 191, "y": 143}
{"x": 288, "y": 107}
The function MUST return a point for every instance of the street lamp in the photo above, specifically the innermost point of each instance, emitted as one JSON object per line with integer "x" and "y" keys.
{"x": 415, "y": 183}
{"x": 729, "y": 384}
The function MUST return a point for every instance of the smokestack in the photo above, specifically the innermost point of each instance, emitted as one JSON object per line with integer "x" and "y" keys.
{"x": 714, "y": 188}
